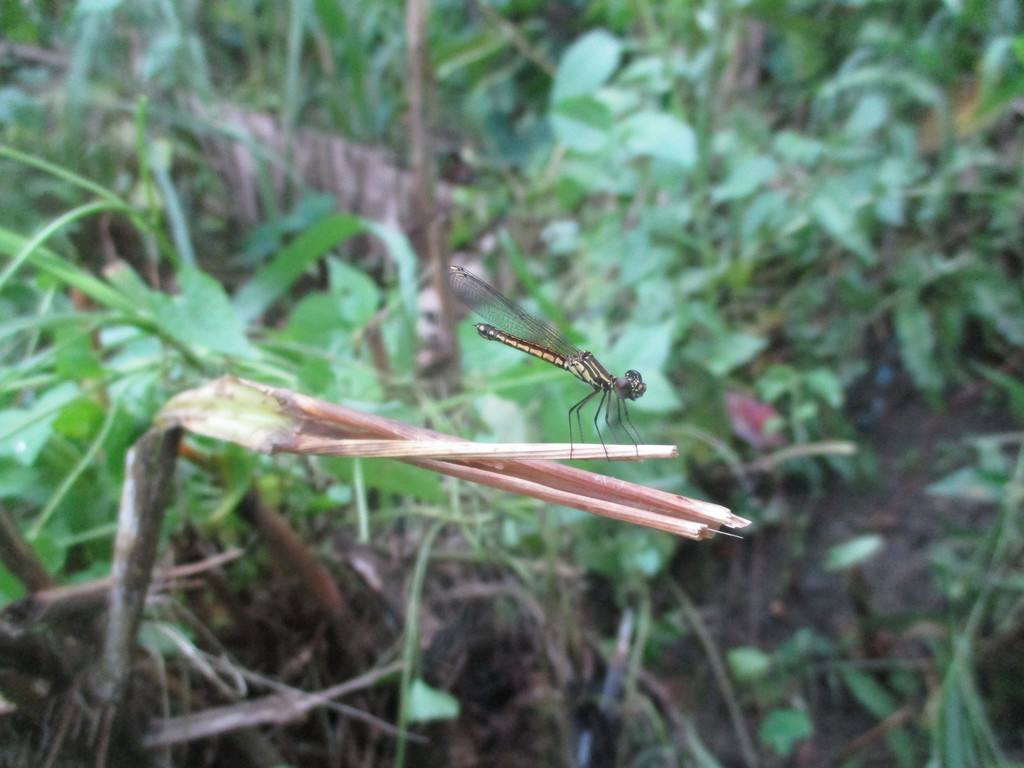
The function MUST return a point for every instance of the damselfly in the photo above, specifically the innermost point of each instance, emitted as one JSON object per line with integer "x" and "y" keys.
{"x": 520, "y": 330}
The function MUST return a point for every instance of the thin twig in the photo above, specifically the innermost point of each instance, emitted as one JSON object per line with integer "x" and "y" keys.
{"x": 282, "y": 707}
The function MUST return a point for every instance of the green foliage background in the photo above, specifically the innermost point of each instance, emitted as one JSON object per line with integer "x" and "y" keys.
{"x": 778, "y": 198}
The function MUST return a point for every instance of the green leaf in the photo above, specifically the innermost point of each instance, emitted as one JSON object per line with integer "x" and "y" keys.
{"x": 201, "y": 316}
{"x": 331, "y": 18}
{"x": 79, "y": 418}
{"x": 96, "y": 6}
{"x": 352, "y": 301}
{"x": 279, "y": 275}
{"x": 425, "y": 703}
{"x": 621, "y": 554}
{"x": 76, "y": 358}
{"x": 583, "y": 123}
{"x": 917, "y": 344}
{"x": 42, "y": 258}
{"x": 824, "y": 383}
{"x": 797, "y": 148}
{"x": 746, "y": 178}
{"x": 839, "y": 218}
{"x": 970, "y": 484}
{"x": 24, "y": 431}
{"x": 646, "y": 349}
{"x": 853, "y": 552}
{"x": 586, "y": 65}
{"x": 11, "y": 587}
{"x": 661, "y": 136}
{"x": 313, "y": 321}
{"x": 875, "y": 698}
{"x": 870, "y": 114}
{"x": 24, "y": 483}
{"x": 748, "y": 663}
{"x": 999, "y": 303}
{"x": 454, "y": 56}
{"x": 727, "y": 351}
{"x": 782, "y": 729}
{"x": 390, "y": 477}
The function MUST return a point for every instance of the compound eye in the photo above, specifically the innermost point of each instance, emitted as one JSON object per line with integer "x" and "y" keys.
{"x": 638, "y": 383}
{"x": 631, "y": 386}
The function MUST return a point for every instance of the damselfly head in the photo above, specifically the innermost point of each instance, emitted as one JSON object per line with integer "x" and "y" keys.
{"x": 631, "y": 386}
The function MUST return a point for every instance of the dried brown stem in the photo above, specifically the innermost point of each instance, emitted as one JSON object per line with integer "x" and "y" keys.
{"x": 18, "y": 557}
{"x": 276, "y": 420}
{"x": 149, "y": 469}
{"x": 282, "y": 707}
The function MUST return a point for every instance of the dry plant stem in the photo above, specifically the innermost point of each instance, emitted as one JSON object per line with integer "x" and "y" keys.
{"x": 450, "y": 450}
{"x": 718, "y": 669}
{"x": 273, "y": 420}
{"x": 19, "y": 558}
{"x": 277, "y": 708}
{"x": 149, "y": 470}
{"x": 556, "y": 476}
{"x": 659, "y": 520}
{"x": 292, "y": 556}
{"x": 76, "y": 601}
{"x": 46, "y": 637}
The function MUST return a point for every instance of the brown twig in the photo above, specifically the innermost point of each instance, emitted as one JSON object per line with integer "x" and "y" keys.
{"x": 19, "y": 558}
{"x": 149, "y": 468}
{"x": 282, "y": 707}
{"x": 276, "y": 420}
{"x": 291, "y": 555}
{"x": 72, "y": 602}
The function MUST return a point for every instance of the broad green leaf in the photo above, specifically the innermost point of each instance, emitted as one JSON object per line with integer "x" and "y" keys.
{"x": 825, "y": 384}
{"x": 425, "y": 703}
{"x": 645, "y": 349}
{"x": 875, "y": 698}
{"x": 583, "y": 123}
{"x": 328, "y": 12}
{"x": 727, "y": 351}
{"x": 1000, "y": 303}
{"x": 11, "y": 587}
{"x": 748, "y": 663}
{"x": 76, "y": 357}
{"x": 24, "y": 431}
{"x": 123, "y": 277}
{"x": 79, "y": 419}
{"x": 917, "y": 344}
{"x": 502, "y": 417}
{"x": 201, "y": 315}
{"x": 870, "y": 114}
{"x": 970, "y": 484}
{"x": 853, "y": 552}
{"x": 279, "y": 275}
{"x": 662, "y": 136}
{"x": 777, "y": 381}
{"x": 782, "y": 729}
{"x": 797, "y": 148}
{"x": 313, "y": 321}
{"x": 21, "y": 482}
{"x": 357, "y": 296}
{"x": 746, "y": 178}
{"x": 627, "y": 554}
{"x": 395, "y": 477}
{"x": 406, "y": 262}
{"x": 586, "y": 65}
{"x": 838, "y": 217}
